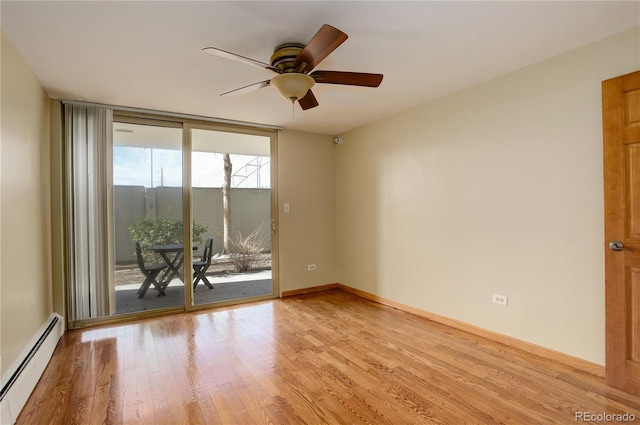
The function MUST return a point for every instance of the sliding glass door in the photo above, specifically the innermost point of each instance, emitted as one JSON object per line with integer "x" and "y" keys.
{"x": 148, "y": 216}
{"x": 231, "y": 216}
{"x": 231, "y": 246}
{"x": 131, "y": 181}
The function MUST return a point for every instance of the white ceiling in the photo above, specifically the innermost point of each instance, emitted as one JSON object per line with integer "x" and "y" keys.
{"x": 148, "y": 54}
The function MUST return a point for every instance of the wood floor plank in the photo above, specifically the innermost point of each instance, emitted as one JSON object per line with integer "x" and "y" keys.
{"x": 321, "y": 358}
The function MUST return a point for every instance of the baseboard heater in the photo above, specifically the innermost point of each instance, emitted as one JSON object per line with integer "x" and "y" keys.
{"x": 22, "y": 378}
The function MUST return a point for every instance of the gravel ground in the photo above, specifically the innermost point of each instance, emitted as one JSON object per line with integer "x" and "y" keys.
{"x": 128, "y": 273}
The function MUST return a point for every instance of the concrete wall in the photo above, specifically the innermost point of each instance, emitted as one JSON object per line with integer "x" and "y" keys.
{"x": 129, "y": 207}
{"x": 25, "y": 255}
{"x": 250, "y": 209}
{"x": 495, "y": 189}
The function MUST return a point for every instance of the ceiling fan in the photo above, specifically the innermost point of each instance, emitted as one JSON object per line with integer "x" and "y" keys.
{"x": 294, "y": 64}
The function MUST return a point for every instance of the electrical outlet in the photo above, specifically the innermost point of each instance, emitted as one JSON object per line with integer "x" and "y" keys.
{"x": 311, "y": 267}
{"x": 500, "y": 299}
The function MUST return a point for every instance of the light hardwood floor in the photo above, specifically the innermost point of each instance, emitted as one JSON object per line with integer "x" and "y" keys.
{"x": 329, "y": 357}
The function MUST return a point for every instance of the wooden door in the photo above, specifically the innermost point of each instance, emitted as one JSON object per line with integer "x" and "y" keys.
{"x": 621, "y": 127}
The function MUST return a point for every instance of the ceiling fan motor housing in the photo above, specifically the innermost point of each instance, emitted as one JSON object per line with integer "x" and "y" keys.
{"x": 284, "y": 55}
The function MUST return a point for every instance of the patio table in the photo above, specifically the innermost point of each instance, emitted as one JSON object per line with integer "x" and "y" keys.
{"x": 173, "y": 256}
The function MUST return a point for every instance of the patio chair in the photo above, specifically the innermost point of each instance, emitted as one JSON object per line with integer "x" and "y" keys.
{"x": 150, "y": 273}
{"x": 200, "y": 267}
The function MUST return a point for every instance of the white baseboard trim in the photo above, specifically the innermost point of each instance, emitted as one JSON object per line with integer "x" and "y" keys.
{"x": 19, "y": 382}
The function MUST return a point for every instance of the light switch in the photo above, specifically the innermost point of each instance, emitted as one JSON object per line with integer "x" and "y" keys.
{"x": 286, "y": 207}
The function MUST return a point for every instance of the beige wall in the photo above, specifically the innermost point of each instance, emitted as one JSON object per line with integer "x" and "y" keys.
{"x": 25, "y": 280}
{"x": 306, "y": 180}
{"x": 495, "y": 189}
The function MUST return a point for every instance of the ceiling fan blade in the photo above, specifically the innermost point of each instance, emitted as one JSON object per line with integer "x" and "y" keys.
{"x": 308, "y": 101}
{"x": 347, "y": 78}
{"x": 326, "y": 40}
{"x": 238, "y": 58}
{"x": 247, "y": 89}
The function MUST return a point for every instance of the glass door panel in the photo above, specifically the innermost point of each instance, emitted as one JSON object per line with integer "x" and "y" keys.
{"x": 231, "y": 216}
{"x": 147, "y": 193}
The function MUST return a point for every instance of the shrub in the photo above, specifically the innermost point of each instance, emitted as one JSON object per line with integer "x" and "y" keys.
{"x": 161, "y": 231}
{"x": 246, "y": 251}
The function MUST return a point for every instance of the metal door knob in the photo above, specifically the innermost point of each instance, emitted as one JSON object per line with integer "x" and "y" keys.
{"x": 616, "y": 246}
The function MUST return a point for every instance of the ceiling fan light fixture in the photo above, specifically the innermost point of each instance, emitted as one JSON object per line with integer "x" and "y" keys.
{"x": 292, "y": 86}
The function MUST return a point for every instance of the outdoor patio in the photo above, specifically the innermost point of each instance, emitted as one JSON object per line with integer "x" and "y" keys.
{"x": 228, "y": 286}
